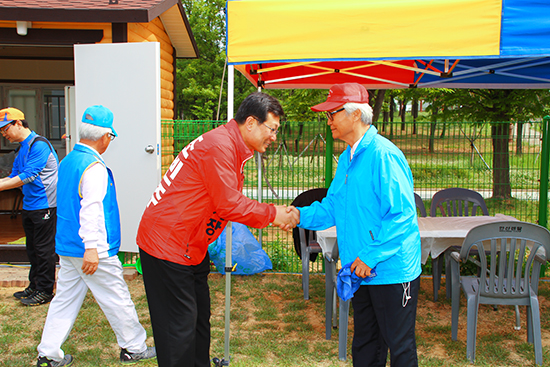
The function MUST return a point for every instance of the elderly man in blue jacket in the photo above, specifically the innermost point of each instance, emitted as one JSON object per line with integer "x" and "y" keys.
{"x": 371, "y": 202}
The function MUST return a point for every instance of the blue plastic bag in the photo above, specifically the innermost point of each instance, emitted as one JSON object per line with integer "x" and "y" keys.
{"x": 246, "y": 252}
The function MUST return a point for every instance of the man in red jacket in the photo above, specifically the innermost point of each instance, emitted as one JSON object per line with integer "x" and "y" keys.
{"x": 196, "y": 198}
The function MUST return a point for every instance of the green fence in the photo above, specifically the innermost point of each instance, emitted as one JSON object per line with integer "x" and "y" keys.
{"x": 441, "y": 155}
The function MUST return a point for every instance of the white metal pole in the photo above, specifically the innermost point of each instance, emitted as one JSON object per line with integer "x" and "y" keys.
{"x": 260, "y": 179}
{"x": 229, "y": 228}
{"x": 230, "y": 91}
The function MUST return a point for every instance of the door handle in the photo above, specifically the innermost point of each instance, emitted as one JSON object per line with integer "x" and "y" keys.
{"x": 150, "y": 149}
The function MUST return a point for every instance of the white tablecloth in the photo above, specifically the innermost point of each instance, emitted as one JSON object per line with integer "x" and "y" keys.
{"x": 437, "y": 233}
{"x": 327, "y": 241}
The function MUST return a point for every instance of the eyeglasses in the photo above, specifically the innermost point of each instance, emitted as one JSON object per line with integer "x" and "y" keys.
{"x": 112, "y": 136}
{"x": 6, "y": 128}
{"x": 330, "y": 114}
{"x": 273, "y": 131}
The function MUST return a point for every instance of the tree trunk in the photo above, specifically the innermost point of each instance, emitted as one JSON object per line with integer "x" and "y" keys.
{"x": 432, "y": 131}
{"x": 519, "y": 148}
{"x": 432, "y": 137}
{"x": 502, "y": 188}
{"x": 402, "y": 112}
{"x": 378, "y": 104}
{"x": 414, "y": 113}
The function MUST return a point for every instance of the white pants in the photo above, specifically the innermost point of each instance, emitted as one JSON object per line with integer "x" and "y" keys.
{"x": 111, "y": 293}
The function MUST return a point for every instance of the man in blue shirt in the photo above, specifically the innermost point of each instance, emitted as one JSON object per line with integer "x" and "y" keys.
{"x": 35, "y": 169}
{"x": 371, "y": 203}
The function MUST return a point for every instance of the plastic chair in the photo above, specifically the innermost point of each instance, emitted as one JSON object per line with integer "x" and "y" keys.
{"x": 420, "y": 205}
{"x": 305, "y": 241}
{"x": 456, "y": 202}
{"x": 509, "y": 276}
{"x": 453, "y": 202}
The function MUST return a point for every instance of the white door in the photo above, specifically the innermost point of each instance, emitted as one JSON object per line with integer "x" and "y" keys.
{"x": 125, "y": 77}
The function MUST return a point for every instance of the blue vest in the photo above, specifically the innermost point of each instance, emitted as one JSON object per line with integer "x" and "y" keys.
{"x": 71, "y": 169}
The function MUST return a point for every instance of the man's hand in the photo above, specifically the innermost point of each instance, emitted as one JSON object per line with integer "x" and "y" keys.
{"x": 361, "y": 269}
{"x": 287, "y": 217}
{"x": 90, "y": 261}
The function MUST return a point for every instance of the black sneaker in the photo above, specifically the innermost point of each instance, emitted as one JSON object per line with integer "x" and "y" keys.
{"x": 130, "y": 358}
{"x": 24, "y": 293}
{"x": 38, "y": 298}
{"x": 45, "y": 362}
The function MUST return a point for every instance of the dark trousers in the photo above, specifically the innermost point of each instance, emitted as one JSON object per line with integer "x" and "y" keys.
{"x": 39, "y": 226}
{"x": 381, "y": 322}
{"x": 179, "y": 305}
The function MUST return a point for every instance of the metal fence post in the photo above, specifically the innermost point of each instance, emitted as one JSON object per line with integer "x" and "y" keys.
{"x": 544, "y": 162}
{"x": 328, "y": 152}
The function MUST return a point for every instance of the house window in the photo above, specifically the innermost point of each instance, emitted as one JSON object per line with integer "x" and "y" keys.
{"x": 54, "y": 115}
{"x": 44, "y": 109}
{"x": 25, "y": 100}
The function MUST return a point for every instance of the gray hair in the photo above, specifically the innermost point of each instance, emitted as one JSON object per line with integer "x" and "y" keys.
{"x": 92, "y": 132}
{"x": 365, "y": 108}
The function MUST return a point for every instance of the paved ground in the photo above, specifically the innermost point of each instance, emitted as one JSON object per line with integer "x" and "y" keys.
{"x": 17, "y": 276}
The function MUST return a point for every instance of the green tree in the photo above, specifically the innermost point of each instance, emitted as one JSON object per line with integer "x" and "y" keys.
{"x": 199, "y": 80}
{"x": 499, "y": 107}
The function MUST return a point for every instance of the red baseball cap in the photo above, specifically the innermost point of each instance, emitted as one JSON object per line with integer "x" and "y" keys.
{"x": 340, "y": 94}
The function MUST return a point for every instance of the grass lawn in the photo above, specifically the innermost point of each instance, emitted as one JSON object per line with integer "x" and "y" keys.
{"x": 272, "y": 325}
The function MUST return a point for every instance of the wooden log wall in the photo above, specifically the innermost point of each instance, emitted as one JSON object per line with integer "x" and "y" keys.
{"x": 138, "y": 32}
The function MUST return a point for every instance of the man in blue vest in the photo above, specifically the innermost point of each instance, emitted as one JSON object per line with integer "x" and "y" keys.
{"x": 87, "y": 242}
{"x": 35, "y": 170}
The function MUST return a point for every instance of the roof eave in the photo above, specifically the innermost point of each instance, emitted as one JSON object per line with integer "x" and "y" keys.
{"x": 76, "y": 15}
{"x": 183, "y": 42}
{"x": 104, "y": 15}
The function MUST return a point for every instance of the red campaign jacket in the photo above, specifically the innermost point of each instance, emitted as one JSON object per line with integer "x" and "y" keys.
{"x": 199, "y": 193}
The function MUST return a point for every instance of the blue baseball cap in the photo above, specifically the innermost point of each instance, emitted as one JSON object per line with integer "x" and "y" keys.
{"x": 99, "y": 116}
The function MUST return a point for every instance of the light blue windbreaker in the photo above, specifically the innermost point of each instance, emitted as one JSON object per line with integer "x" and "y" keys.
{"x": 371, "y": 202}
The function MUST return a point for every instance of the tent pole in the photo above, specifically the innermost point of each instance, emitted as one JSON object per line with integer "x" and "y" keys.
{"x": 543, "y": 194}
{"x": 544, "y": 166}
{"x": 544, "y": 163}
{"x": 229, "y": 237}
{"x": 228, "y": 270}
{"x": 229, "y": 230}
{"x": 328, "y": 157}
{"x": 260, "y": 180}
{"x": 230, "y": 91}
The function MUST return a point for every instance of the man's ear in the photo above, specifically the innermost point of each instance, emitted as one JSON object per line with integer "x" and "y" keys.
{"x": 357, "y": 114}
{"x": 250, "y": 121}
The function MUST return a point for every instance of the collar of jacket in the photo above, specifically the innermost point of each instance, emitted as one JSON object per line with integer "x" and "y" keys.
{"x": 84, "y": 148}
{"x": 243, "y": 152}
{"x": 367, "y": 138}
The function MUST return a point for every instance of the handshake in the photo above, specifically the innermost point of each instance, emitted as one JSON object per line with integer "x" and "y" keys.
{"x": 287, "y": 217}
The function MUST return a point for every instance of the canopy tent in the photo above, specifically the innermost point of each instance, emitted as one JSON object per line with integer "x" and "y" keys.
{"x": 387, "y": 44}
{"x": 391, "y": 43}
